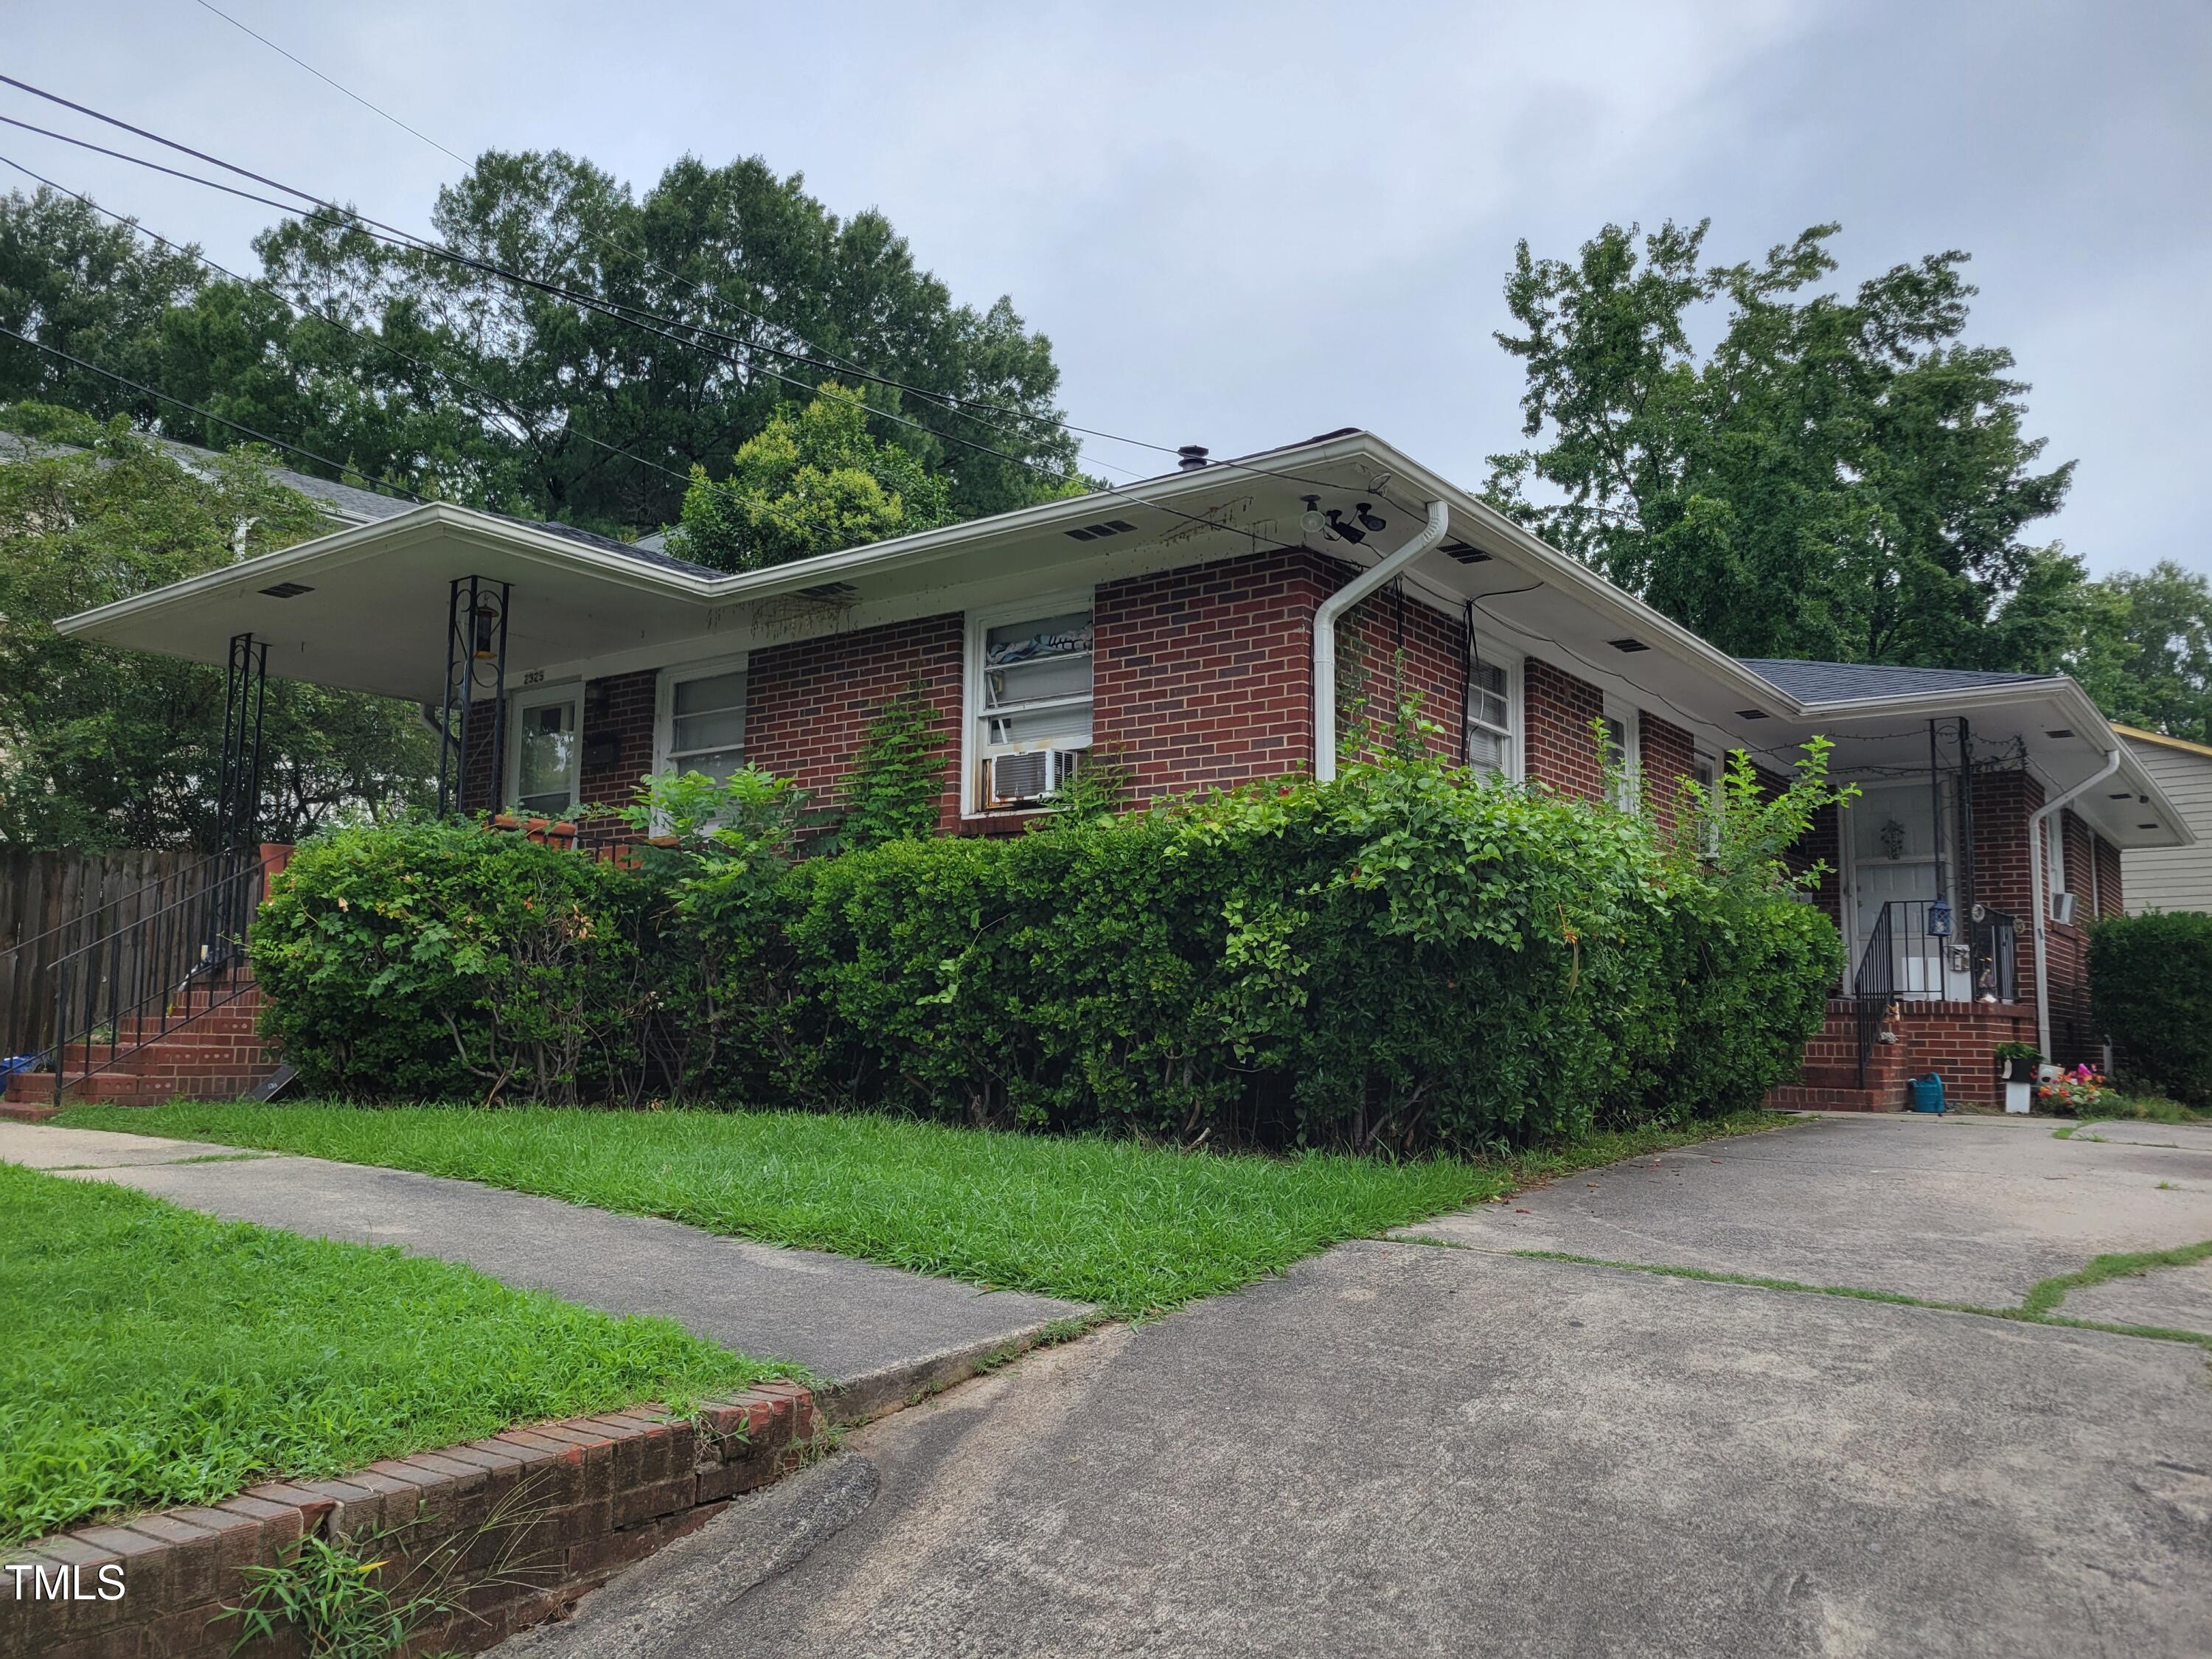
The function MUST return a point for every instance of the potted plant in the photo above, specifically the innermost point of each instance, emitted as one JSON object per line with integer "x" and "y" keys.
{"x": 2017, "y": 1063}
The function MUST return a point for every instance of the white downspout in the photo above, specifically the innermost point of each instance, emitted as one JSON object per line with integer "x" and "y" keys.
{"x": 2036, "y": 820}
{"x": 1324, "y": 674}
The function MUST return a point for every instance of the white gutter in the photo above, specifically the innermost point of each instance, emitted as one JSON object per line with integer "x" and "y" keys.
{"x": 1324, "y": 646}
{"x": 2036, "y": 820}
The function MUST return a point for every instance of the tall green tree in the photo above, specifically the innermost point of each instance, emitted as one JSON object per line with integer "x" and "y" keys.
{"x": 1837, "y": 478}
{"x": 402, "y": 365}
{"x": 584, "y": 408}
{"x": 72, "y": 279}
{"x": 2144, "y": 650}
{"x": 106, "y": 748}
{"x": 812, "y": 481}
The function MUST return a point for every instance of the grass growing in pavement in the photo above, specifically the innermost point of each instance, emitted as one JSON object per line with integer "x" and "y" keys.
{"x": 2144, "y": 1109}
{"x": 2040, "y": 1307}
{"x": 1130, "y": 1228}
{"x": 154, "y": 1356}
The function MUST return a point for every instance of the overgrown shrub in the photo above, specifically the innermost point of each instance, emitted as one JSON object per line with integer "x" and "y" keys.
{"x": 2150, "y": 992}
{"x": 427, "y": 960}
{"x": 1406, "y": 957}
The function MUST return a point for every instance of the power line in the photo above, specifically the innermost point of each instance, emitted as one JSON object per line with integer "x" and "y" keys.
{"x": 829, "y": 359}
{"x": 209, "y": 415}
{"x": 326, "y": 81}
{"x": 630, "y": 315}
{"x": 381, "y": 341}
{"x": 821, "y": 358}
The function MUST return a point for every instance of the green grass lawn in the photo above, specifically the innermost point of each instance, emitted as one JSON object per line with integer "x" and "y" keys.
{"x": 153, "y": 1356}
{"x": 1130, "y": 1228}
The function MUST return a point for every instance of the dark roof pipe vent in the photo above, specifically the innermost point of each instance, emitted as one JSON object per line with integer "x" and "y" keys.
{"x": 1193, "y": 457}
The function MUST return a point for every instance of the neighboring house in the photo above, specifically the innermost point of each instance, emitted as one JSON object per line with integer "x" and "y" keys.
{"x": 341, "y": 504}
{"x": 2172, "y": 877}
{"x": 1172, "y": 624}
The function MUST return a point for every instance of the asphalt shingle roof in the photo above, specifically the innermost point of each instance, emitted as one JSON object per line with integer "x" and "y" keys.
{"x": 353, "y": 506}
{"x": 1844, "y": 682}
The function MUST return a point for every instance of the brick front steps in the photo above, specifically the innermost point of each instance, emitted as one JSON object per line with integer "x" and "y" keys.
{"x": 212, "y": 1050}
{"x": 1956, "y": 1040}
{"x": 534, "y": 1518}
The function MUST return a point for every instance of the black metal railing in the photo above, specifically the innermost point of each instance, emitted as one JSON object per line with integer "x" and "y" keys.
{"x": 1873, "y": 989}
{"x": 1906, "y": 959}
{"x": 133, "y": 983}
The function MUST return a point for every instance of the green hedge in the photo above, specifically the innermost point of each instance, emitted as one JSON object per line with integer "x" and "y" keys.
{"x": 1402, "y": 959}
{"x": 430, "y": 960}
{"x": 2150, "y": 993}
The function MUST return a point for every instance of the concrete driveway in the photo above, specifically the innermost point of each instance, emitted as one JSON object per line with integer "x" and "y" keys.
{"x": 1402, "y": 1449}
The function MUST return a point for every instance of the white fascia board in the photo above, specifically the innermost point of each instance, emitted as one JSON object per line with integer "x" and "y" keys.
{"x": 1501, "y": 537}
{"x": 363, "y": 541}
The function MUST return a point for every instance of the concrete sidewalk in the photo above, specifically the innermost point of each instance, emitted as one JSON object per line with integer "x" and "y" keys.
{"x": 1394, "y": 1449}
{"x": 879, "y": 1334}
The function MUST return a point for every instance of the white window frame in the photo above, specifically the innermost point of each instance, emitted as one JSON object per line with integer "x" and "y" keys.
{"x": 544, "y": 696}
{"x": 980, "y": 622}
{"x": 1702, "y": 761}
{"x": 1632, "y": 751}
{"x": 1517, "y": 743}
{"x": 664, "y": 704}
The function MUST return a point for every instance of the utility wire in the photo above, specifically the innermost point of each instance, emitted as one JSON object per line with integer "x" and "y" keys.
{"x": 633, "y": 316}
{"x": 209, "y": 415}
{"x": 766, "y": 509}
{"x": 820, "y": 358}
{"x": 951, "y": 400}
{"x": 383, "y": 343}
{"x": 374, "y": 337}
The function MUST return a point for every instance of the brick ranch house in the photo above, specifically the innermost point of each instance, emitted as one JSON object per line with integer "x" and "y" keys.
{"x": 1173, "y": 624}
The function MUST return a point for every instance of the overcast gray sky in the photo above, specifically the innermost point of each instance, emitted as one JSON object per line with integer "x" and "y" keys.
{"x": 1244, "y": 224}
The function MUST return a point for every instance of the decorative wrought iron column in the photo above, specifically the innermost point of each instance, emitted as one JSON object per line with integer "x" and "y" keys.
{"x": 476, "y": 675}
{"x": 238, "y": 796}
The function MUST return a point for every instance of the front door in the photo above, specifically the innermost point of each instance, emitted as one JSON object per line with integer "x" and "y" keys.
{"x": 1893, "y": 862}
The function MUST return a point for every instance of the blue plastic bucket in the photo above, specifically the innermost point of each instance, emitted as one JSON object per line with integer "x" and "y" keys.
{"x": 1926, "y": 1093}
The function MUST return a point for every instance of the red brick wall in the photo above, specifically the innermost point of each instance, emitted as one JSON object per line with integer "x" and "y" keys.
{"x": 2003, "y": 801}
{"x": 2003, "y": 804}
{"x": 808, "y": 704}
{"x": 2109, "y": 891}
{"x": 1959, "y": 1041}
{"x": 1434, "y": 674}
{"x": 1557, "y": 710}
{"x": 1205, "y": 675}
{"x": 1666, "y": 754}
{"x": 617, "y": 739}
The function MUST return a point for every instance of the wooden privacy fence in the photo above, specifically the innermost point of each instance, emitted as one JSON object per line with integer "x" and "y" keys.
{"x": 51, "y": 903}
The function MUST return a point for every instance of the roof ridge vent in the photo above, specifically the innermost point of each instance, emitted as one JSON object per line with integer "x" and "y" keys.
{"x": 1191, "y": 457}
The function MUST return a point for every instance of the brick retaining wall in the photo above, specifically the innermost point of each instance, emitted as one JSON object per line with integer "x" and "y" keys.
{"x": 535, "y": 1517}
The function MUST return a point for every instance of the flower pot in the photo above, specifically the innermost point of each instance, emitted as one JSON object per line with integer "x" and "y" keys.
{"x": 2014, "y": 1070}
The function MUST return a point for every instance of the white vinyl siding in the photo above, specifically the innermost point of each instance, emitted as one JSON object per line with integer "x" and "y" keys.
{"x": 2172, "y": 877}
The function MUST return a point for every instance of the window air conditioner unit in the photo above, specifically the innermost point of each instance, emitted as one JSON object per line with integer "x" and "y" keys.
{"x": 1028, "y": 778}
{"x": 2062, "y": 908}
